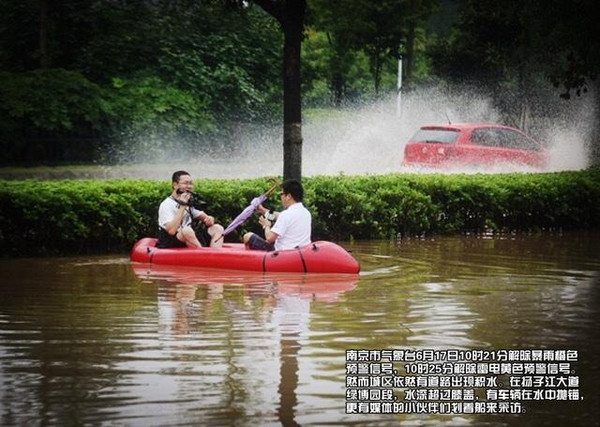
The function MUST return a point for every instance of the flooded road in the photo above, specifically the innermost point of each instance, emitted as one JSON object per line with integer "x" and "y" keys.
{"x": 95, "y": 340}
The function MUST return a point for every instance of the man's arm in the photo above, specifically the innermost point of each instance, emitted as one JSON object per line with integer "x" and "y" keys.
{"x": 172, "y": 226}
{"x": 262, "y": 210}
{"x": 269, "y": 235}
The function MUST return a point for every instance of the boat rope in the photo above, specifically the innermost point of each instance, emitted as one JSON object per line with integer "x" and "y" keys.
{"x": 302, "y": 258}
{"x": 264, "y": 262}
{"x": 151, "y": 253}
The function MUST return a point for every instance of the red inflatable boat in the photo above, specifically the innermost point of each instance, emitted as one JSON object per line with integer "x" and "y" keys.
{"x": 318, "y": 257}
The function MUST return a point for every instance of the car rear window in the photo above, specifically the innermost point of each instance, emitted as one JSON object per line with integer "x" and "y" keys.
{"x": 435, "y": 136}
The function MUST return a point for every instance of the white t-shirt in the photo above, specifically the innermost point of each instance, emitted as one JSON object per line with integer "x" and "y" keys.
{"x": 293, "y": 226}
{"x": 168, "y": 209}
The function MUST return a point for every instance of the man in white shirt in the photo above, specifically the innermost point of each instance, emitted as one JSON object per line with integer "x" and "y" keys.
{"x": 175, "y": 217}
{"x": 292, "y": 226}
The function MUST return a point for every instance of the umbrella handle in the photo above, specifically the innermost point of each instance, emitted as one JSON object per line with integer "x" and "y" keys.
{"x": 276, "y": 184}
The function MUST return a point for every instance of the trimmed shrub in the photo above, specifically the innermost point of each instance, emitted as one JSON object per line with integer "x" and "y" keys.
{"x": 64, "y": 217}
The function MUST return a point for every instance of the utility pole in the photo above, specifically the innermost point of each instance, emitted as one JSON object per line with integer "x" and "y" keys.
{"x": 399, "y": 87}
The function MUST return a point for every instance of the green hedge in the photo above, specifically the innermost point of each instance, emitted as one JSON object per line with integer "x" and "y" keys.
{"x": 63, "y": 217}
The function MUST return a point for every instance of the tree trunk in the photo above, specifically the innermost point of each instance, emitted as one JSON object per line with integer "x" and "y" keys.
{"x": 292, "y": 101}
{"x": 410, "y": 51}
{"x": 290, "y": 14}
{"x": 377, "y": 71}
{"x": 525, "y": 86}
{"x": 337, "y": 85}
{"x": 594, "y": 143}
{"x": 44, "y": 61}
{"x": 414, "y": 8}
{"x": 337, "y": 77}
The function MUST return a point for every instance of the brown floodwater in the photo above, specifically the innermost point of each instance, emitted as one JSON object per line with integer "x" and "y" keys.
{"x": 97, "y": 340}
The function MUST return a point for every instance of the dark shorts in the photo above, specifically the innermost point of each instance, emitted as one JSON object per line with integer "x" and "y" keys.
{"x": 258, "y": 243}
{"x": 165, "y": 240}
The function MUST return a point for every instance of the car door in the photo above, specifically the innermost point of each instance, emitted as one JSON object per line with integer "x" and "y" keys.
{"x": 522, "y": 149}
{"x": 500, "y": 145}
{"x": 483, "y": 147}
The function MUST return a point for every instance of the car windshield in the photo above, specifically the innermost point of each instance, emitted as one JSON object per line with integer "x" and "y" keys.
{"x": 435, "y": 135}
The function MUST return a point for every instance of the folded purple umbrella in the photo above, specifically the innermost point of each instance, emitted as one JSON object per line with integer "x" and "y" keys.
{"x": 249, "y": 210}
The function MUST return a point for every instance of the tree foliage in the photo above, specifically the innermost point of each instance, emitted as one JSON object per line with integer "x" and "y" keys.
{"x": 101, "y": 70}
{"x": 499, "y": 41}
{"x": 515, "y": 52}
{"x": 381, "y": 31}
{"x": 116, "y": 68}
{"x": 100, "y": 216}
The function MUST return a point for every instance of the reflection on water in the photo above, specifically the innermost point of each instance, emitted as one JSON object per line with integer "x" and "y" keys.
{"x": 97, "y": 340}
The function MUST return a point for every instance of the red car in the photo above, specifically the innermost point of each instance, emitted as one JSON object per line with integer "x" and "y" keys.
{"x": 473, "y": 145}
